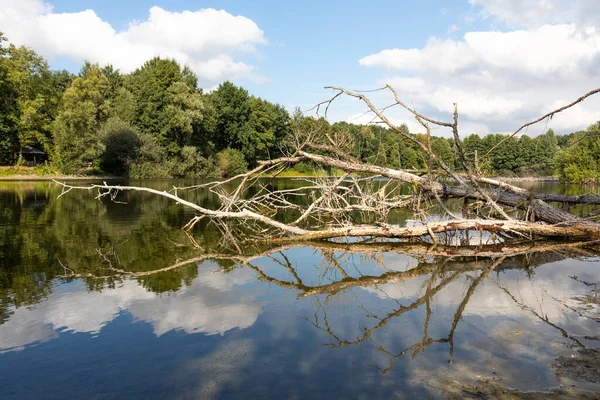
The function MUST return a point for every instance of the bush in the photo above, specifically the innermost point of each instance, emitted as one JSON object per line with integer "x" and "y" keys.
{"x": 121, "y": 146}
{"x": 193, "y": 165}
{"x": 579, "y": 161}
{"x": 154, "y": 161}
{"x": 231, "y": 162}
{"x": 151, "y": 161}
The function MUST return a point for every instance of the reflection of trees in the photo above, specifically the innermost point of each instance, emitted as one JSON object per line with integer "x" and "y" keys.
{"x": 440, "y": 271}
{"x": 438, "y": 265}
{"x": 42, "y": 240}
{"x": 40, "y": 236}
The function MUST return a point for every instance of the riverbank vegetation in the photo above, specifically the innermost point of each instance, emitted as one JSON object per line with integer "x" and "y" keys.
{"x": 156, "y": 123}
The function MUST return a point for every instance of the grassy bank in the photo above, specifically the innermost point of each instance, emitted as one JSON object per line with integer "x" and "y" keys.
{"x": 41, "y": 173}
{"x": 18, "y": 173}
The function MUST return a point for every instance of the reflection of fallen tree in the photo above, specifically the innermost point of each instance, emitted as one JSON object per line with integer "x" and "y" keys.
{"x": 448, "y": 257}
{"x": 439, "y": 265}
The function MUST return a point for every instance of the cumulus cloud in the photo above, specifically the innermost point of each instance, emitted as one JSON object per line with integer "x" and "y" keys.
{"x": 207, "y": 40}
{"x": 502, "y": 79}
{"x": 208, "y": 306}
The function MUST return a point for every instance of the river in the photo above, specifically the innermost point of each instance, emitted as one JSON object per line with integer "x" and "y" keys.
{"x": 299, "y": 322}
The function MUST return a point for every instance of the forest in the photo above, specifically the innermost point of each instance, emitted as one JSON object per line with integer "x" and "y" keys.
{"x": 157, "y": 123}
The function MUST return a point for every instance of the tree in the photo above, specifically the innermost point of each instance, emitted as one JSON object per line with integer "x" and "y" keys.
{"x": 232, "y": 114}
{"x": 121, "y": 145}
{"x": 167, "y": 102}
{"x": 76, "y": 129}
{"x": 270, "y": 125}
{"x": 579, "y": 161}
{"x": 443, "y": 149}
{"x": 182, "y": 112}
{"x": 545, "y": 148}
{"x": 37, "y": 97}
{"x": 239, "y": 121}
{"x": 9, "y": 141}
{"x": 231, "y": 162}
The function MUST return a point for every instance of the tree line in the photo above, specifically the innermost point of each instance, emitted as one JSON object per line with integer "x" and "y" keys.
{"x": 157, "y": 122}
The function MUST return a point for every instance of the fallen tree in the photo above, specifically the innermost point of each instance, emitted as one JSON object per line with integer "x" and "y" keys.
{"x": 362, "y": 202}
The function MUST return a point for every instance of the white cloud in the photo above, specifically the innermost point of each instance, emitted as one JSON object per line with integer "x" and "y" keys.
{"x": 404, "y": 84}
{"x": 502, "y": 79}
{"x": 532, "y": 13}
{"x": 367, "y": 119}
{"x": 207, "y": 40}
{"x": 526, "y": 12}
{"x": 210, "y": 305}
{"x": 549, "y": 51}
{"x": 452, "y": 28}
{"x": 447, "y": 56}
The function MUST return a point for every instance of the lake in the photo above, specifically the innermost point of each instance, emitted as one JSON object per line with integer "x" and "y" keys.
{"x": 84, "y": 314}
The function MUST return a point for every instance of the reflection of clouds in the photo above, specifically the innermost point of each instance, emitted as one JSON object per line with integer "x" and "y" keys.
{"x": 546, "y": 292}
{"x": 23, "y": 328}
{"x": 209, "y": 305}
{"x": 221, "y": 369}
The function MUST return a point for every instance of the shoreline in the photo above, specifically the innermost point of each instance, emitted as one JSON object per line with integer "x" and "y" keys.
{"x": 9, "y": 178}
{"x": 33, "y": 177}
{"x": 528, "y": 179}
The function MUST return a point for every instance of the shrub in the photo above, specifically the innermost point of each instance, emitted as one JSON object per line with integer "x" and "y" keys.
{"x": 231, "y": 162}
{"x": 121, "y": 146}
{"x": 579, "y": 161}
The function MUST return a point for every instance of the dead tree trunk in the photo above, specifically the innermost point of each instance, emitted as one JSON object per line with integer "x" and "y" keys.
{"x": 342, "y": 207}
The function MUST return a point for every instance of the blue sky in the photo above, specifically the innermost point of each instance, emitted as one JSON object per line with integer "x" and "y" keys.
{"x": 503, "y": 61}
{"x": 311, "y": 44}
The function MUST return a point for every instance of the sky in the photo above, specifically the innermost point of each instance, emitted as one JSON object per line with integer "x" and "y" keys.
{"x": 504, "y": 62}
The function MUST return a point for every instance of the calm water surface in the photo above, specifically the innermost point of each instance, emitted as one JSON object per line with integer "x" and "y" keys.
{"x": 300, "y": 322}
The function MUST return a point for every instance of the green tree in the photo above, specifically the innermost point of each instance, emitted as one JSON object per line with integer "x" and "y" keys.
{"x": 9, "y": 141}
{"x": 442, "y": 148}
{"x": 270, "y": 125}
{"x": 544, "y": 149}
{"x": 121, "y": 145}
{"x": 232, "y": 114}
{"x": 231, "y": 162}
{"x": 579, "y": 161}
{"x": 167, "y": 102}
{"x": 85, "y": 107}
{"x": 37, "y": 97}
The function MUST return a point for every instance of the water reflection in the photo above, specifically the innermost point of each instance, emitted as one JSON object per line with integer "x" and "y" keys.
{"x": 123, "y": 287}
{"x": 212, "y": 304}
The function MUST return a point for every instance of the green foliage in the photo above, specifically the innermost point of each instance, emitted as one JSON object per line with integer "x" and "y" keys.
{"x": 231, "y": 113}
{"x": 239, "y": 121}
{"x": 579, "y": 161}
{"x": 156, "y": 122}
{"x": 231, "y": 162}
{"x": 443, "y": 149}
{"x": 85, "y": 107}
{"x": 9, "y": 114}
{"x": 167, "y": 107}
{"x": 37, "y": 99}
{"x": 123, "y": 105}
{"x": 152, "y": 160}
{"x": 192, "y": 164}
{"x": 121, "y": 146}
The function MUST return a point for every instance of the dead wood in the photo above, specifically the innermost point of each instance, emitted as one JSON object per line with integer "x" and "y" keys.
{"x": 362, "y": 202}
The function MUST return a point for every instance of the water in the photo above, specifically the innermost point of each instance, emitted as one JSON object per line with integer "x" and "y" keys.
{"x": 299, "y": 322}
